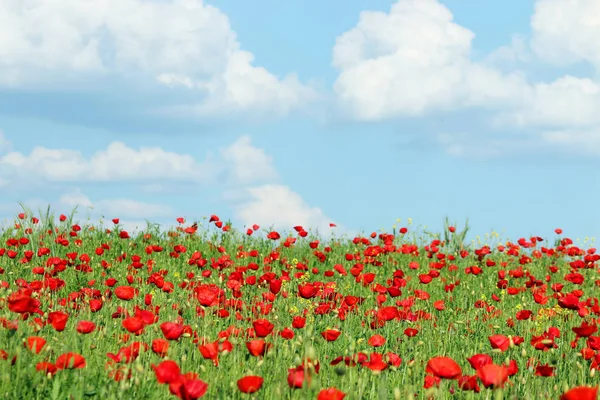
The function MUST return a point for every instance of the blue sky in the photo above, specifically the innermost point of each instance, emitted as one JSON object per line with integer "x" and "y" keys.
{"x": 305, "y": 112}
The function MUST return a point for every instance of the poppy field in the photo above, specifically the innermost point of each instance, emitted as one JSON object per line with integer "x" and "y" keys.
{"x": 216, "y": 312}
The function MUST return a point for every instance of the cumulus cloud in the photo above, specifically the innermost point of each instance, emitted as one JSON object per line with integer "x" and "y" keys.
{"x": 125, "y": 36}
{"x": 240, "y": 163}
{"x": 242, "y": 87}
{"x": 416, "y": 60}
{"x": 280, "y": 207}
{"x": 246, "y": 174}
{"x": 118, "y": 162}
{"x": 257, "y": 197}
{"x": 248, "y": 164}
{"x": 565, "y": 102}
{"x": 175, "y": 42}
{"x": 412, "y": 60}
{"x": 566, "y": 31}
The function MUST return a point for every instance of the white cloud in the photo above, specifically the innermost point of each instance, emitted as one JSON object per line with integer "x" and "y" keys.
{"x": 242, "y": 87}
{"x": 177, "y": 42}
{"x": 566, "y": 31}
{"x": 124, "y": 36}
{"x": 415, "y": 59}
{"x": 248, "y": 164}
{"x": 566, "y": 102}
{"x": 240, "y": 163}
{"x": 117, "y": 162}
{"x": 280, "y": 207}
{"x": 268, "y": 204}
{"x": 250, "y": 177}
{"x": 412, "y": 60}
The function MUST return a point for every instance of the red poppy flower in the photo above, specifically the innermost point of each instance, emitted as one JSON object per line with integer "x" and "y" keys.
{"x": 35, "y": 343}
{"x": 21, "y": 302}
{"x": 331, "y": 394}
{"x": 479, "y": 360}
{"x": 375, "y": 362}
{"x": 128, "y": 354}
{"x": 524, "y": 315}
{"x": 492, "y": 375}
{"x": 85, "y": 327}
{"x": 210, "y": 351}
{"x": 133, "y": 324}
{"x": 262, "y": 327}
{"x": 207, "y": 295}
{"x": 431, "y": 381}
{"x": 517, "y": 340}
{"x": 167, "y": 371}
{"x": 58, "y": 320}
{"x": 585, "y": 329}
{"x": 171, "y": 330}
{"x": 257, "y": 347}
{"x": 193, "y": 389}
{"x": 377, "y": 340}
{"x": 468, "y": 383}
{"x": 250, "y": 384}
{"x": 443, "y": 367}
{"x": 95, "y": 305}
{"x": 126, "y": 292}
{"x": 147, "y": 316}
{"x": 70, "y": 361}
{"x": 569, "y": 301}
{"x": 581, "y": 393}
{"x": 439, "y": 305}
{"x": 331, "y": 335}
{"x": 593, "y": 342}
{"x": 544, "y": 370}
{"x": 587, "y": 353}
{"x": 176, "y": 386}
{"x": 160, "y": 347}
{"x": 512, "y": 368}
{"x": 387, "y": 313}
{"x": 500, "y": 342}
{"x": 298, "y": 322}
{"x": 307, "y": 291}
{"x": 273, "y": 235}
{"x": 295, "y": 378}
{"x": 287, "y": 333}
{"x": 410, "y": 332}
{"x": 46, "y": 367}
{"x": 393, "y": 359}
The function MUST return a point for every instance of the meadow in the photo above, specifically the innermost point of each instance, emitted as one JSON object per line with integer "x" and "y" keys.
{"x": 216, "y": 312}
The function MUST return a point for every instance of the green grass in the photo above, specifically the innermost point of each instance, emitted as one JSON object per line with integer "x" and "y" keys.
{"x": 459, "y": 331}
